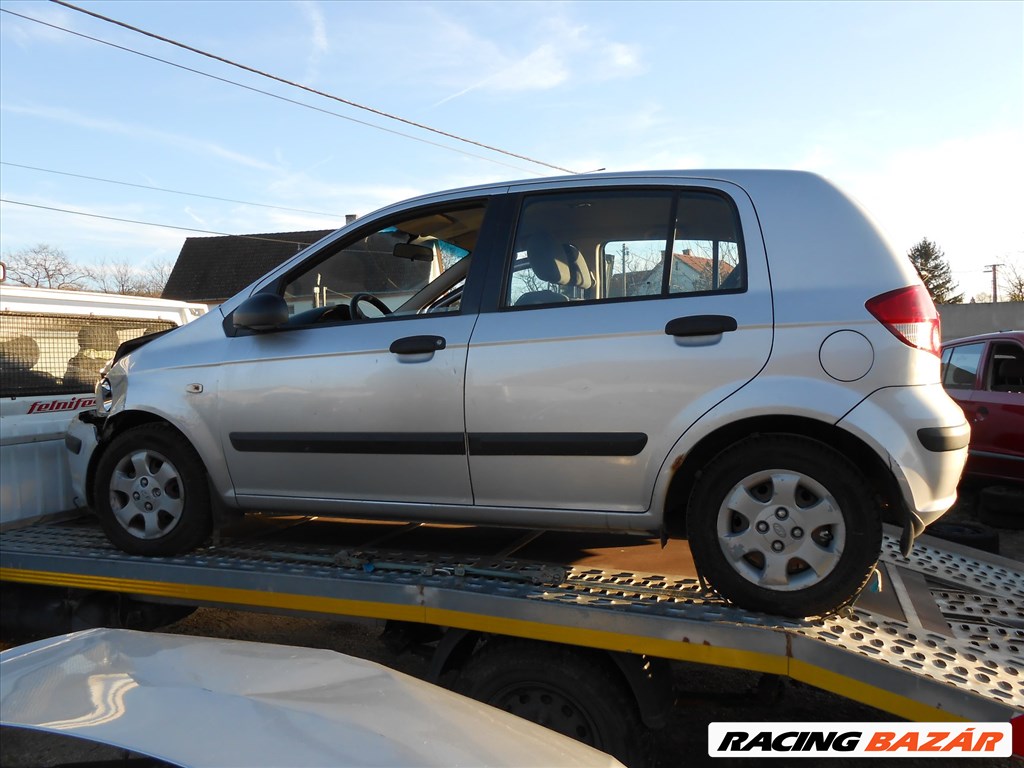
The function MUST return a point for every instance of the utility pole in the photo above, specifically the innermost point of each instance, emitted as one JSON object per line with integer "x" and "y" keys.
{"x": 995, "y": 271}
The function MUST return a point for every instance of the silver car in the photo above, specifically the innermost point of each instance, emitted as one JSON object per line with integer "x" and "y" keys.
{"x": 733, "y": 356}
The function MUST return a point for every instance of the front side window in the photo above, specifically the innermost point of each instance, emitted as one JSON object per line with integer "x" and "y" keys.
{"x": 392, "y": 264}
{"x": 621, "y": 244}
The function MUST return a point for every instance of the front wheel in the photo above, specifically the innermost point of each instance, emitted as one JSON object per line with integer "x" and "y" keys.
{"x": 151, "y": 492}
{"x": 785, "y": 525}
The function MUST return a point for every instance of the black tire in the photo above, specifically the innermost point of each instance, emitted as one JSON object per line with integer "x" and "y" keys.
{"x": 783, "y": 503}
{"x": 1002, "y": 506}
{"x": 151, "y": 493}
{"x": 575, "y": 691}
{"x": 965, "y": 532}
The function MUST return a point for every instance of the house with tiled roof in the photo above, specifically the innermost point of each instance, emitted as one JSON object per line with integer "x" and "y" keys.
{"x": 210, "y": 270}
{"x": 694, "y": 273}
{"x": 690, "y": 273}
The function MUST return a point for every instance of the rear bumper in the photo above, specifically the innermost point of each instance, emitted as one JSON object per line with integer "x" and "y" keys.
{"x": 922, "y": 436}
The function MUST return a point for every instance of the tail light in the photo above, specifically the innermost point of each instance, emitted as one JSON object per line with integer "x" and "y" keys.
{"x": 910, "y": 315}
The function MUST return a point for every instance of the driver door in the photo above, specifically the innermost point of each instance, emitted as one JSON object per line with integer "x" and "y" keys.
{"x": 345, "y": 408}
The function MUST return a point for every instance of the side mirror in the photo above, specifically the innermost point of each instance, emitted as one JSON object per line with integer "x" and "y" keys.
{"x": 261, "y": 312}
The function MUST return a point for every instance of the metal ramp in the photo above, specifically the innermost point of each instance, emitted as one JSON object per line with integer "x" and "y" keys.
{"x": 942, "y": 639}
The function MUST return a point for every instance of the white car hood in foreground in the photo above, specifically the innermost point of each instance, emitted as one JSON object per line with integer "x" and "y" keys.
{"x": 204, "y": 702}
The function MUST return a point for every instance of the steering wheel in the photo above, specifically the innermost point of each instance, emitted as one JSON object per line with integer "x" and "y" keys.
{"x": 369, "y": 298}
{"x": 333, "y": 314}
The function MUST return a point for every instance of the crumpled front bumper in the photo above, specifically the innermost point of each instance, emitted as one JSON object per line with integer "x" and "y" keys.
{"x": 81, "y": 441}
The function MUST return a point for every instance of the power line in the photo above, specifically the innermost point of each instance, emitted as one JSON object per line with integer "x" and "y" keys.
{"x": 162, "y": 189}
{"x": 265, "y": 93}
{"x": 151, "y": 223}
{"x": 306, "y": 88}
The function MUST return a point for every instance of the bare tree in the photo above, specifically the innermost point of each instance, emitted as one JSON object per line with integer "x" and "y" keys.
{"x": 127, "y": 278}
{"x": 157, "y": 274}
{"x": 44, "y": 266}
{"x": 115, "y": 277}
{"x": 1011, "y": 282}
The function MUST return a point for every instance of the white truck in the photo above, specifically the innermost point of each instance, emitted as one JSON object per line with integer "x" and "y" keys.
{"x": 53, "y": 344}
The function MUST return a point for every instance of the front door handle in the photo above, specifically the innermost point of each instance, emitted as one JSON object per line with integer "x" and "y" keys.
{"x": 417, "y": 345}
{"x": 700, "y": 325}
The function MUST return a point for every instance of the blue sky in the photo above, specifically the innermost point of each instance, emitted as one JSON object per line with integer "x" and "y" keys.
{"x": 917, "y": 109}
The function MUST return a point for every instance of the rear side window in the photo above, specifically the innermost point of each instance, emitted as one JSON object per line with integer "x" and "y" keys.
{"x": 61, "y": 354}
{"x": 961, "y": 368}
{"x": 623, "y": 244}
{"x": 1006, "y": 372}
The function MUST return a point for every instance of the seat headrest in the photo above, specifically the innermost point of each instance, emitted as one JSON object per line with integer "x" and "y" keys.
{"x": 560, "y": 264}
{"x": 1011, "y": 369}
{"x": 98, "y": 337}
{"x": 541, "y": 297}
{"x": 19, "y": 354}
{"x": 581, "y": 272}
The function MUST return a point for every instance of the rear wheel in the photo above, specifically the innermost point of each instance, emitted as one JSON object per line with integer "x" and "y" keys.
{"x": 151, "y": 492}
{"x": 574, "y": 691}
{"x": 784, "y": 524}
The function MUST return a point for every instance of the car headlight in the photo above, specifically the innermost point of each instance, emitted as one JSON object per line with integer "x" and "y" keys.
{"x": 105, "y": 395}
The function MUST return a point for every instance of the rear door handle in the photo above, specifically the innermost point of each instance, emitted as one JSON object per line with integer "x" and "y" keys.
{"x": 417, "y": 345}
{"x": 700, "y": 325}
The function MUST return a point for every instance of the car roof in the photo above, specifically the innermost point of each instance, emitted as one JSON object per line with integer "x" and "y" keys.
{"x": 734, "y": 175}
{"x": 994, "y": 336}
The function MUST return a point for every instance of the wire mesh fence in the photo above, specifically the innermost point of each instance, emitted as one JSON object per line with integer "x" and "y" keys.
{"x": 61, "y": 354}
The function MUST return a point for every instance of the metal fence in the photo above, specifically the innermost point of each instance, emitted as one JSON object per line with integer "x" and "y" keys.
{"x": 61, "y": 354}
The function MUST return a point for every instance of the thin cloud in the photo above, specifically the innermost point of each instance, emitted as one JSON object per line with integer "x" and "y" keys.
{"x": 66, "y": 116}
{"x": 566, "y": 53}
{"x": 23, "y": 33}
{"x": 932, "y": 190}
{"x": 319, "y": 42}
{"x": 82, "y": 236}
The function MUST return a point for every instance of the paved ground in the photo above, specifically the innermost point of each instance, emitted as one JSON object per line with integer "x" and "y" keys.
{"x": 703, "y": 694}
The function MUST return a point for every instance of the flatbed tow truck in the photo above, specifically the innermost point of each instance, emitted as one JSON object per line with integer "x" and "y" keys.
{"x": 938, "y": 636}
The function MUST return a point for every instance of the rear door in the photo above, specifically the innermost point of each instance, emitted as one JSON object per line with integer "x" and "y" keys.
{"x": 986, "y": 379}
{"x": 622, "y": 315}
{"x": 997, "y": 411}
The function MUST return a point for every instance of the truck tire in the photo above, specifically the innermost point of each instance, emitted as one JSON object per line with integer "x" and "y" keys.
{"x": 966, "y": 532}
{"x": 576, "y": 691}
{"x": 151, "y": 495}
{"x": 785, "y": 525}
{"x": 1002, "y": 506}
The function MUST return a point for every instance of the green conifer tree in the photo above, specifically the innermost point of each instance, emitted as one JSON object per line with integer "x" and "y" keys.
{"x": 930, "y": 262}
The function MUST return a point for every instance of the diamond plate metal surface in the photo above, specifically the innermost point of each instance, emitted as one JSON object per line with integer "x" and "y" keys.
{"x": 952, "y": 567}
{"x": 981, "y": 657}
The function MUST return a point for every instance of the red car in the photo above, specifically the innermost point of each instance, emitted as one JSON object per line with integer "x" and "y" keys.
{"x": 985, "y": 375}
